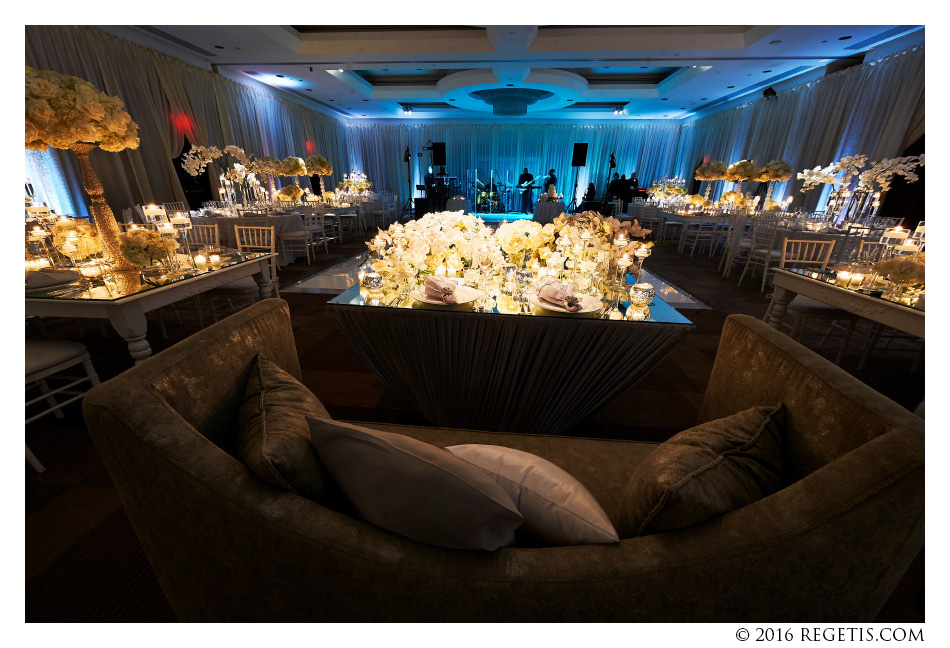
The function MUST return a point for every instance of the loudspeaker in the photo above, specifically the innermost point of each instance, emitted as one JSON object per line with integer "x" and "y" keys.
{"x": 422, "y": 207}
{"x": 438, "y": 153}
{"x": 580, "y": 154}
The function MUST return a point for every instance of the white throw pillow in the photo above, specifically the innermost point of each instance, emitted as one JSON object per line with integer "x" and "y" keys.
{"x": 557, "y": 509}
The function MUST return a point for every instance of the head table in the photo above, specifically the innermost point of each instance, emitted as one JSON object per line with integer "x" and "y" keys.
{"x": 126, "y": 311}
{"x": 537, "y": 373}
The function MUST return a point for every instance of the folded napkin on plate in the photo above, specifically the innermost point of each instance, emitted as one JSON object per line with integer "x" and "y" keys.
{"x": 47, "y": 278}
{"x": 552, "y": 291}
{"x": 441, "y": 288}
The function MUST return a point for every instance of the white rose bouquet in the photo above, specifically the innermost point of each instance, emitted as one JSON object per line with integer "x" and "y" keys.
{"x": 318, "y": 165}
{"x": 711, "y": 171}
{"x": 901, "y": 271}
{"x": 143, "y": 246}
{"x": 741, "y": 171}
{"x": 775, "y": 171}
{"x": 290, "y": 192}
{"x": 63, "y": 110}
{"x": 292, "y": 166}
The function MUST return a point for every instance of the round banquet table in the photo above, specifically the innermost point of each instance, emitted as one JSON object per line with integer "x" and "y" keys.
{"x": 457, "y": 204}
{"x": 546, "y": 212}
{"x": 282, "y": 223}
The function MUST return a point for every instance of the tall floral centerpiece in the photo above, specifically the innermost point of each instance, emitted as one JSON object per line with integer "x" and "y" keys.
{"x": 774, "y": 171}
{"x": 234, "y": 166}
{"x": 319, "y": 166}
{"x": 741, "y": 171}
{"x": 709, "y": 172}
{"x": 269, "y": 167}
{"x": 67, "y": 112}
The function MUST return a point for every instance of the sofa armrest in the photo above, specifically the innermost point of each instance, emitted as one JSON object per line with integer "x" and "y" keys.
{"x": 830, "y": 412}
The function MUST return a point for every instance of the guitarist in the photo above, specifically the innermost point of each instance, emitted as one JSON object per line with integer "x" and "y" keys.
{"x": 526, "y": 187}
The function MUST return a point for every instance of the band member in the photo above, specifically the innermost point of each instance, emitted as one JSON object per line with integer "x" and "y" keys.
{"x": 591, "y": 192}
{"x": 613, "y": 189}
{"x": 550, "y": 179}
{"x": 526, "y": 186}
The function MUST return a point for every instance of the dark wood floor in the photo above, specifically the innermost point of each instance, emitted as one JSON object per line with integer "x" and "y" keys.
{"x": 84, "y": 563}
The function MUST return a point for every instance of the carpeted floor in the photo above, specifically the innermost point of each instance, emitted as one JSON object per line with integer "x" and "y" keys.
{"x": 84, "y": 563}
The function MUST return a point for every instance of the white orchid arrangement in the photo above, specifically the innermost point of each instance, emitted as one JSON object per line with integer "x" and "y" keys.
{"x": 883, "y": 172}
{"x": 63, "y": 110}
{"x": 442, "y": 243}
{"x": 597, "y": 231}
{"x": 197, "y": 159}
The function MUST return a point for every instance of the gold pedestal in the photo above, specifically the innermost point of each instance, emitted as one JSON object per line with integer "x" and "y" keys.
{"x": 126, "y": 272}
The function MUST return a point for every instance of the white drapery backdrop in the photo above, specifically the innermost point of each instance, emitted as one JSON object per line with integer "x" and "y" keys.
{"x": 876, "y": 108}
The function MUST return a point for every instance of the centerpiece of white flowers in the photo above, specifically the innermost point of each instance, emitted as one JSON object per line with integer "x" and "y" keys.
{"x": 67, "y": 112}
{"x": 708, "y": 172}
{"x": 862, "y": 200}
{"x": 774, "y": 171}
{"x": 145, "y": 246}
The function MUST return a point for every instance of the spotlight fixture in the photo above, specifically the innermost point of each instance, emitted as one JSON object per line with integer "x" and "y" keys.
{"x": 407, "y": 110}
{"x": 618, "y": 110}
{"x": 769, "y": 93}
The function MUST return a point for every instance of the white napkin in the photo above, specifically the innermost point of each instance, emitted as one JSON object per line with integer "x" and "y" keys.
{"x": 439, "y": 287}
{"x": 554, "y": 292}
{"x": 49, "y": 277}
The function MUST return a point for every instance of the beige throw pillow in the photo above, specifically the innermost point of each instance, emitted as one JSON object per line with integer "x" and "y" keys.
{"x": 414, "y": 488}
{"x": 274, "y": 437}
{"x": 557, "y": 509}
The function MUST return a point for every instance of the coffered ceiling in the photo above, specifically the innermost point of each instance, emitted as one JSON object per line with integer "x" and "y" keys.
{"x": 518, "y": 72}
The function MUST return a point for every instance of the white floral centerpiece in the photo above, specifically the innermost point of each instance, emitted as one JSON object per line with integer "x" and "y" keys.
{"x": 319, "y": 166}
{"x": 291, "y": 193}
{"x": 774, "y": 171}
{"x": 67, "y": 112}
{"x": 441, "y": 243}
{"x": 709, "y": 172}
{"x": 144, "y": 246}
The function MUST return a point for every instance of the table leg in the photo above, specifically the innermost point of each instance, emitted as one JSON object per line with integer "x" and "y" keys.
{"x": 266, "y": 288}
{"x": 778, "y": 307}
{"x": 130, "y": 323}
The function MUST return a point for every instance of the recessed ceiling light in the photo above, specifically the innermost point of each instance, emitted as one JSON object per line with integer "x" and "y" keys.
{"x": 766, "y": 71}
{"x": 362, "y": 115}
{"x": 332, "y": 99}
{"x": 279, "y": 76}
{"x": 844, "y": 38}
{"x": 730, "y": 86}
{"x": 681, "y": 108}
{"x": 643, "y": 67}
{"x": 570, "y": 100}
{"x": 775, "y": 42}
{"x": 511, "y": 85}
{"x": 824, "y": 41}
{"x": 365, "y": 99}
{"x": 451, "y": 99}
{"x": 219, "y": 47}
{"x": 308, "y": 89}
{"x": 664, "y": 99}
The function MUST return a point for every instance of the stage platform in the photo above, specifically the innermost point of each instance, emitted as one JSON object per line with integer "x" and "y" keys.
{"x": 502, "y": 217}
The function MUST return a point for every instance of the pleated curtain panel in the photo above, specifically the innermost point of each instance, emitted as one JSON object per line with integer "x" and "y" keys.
{"x": 876, "y": 108}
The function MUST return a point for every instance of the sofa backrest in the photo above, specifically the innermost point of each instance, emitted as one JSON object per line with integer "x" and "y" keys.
{"x": 202, "y": 378}
{"x": 830, "y": 412}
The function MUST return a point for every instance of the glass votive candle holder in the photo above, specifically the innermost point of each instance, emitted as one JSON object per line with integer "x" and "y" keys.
{"x": 372, "y": 281}
{"x": 641, "y": 294}
{"x": 637, "y": 313}
{"x": 201, "y": 262}
{"x": 843, "y": 278}
{"x": 215, "y": 261}
{"x": 470, "y": 277}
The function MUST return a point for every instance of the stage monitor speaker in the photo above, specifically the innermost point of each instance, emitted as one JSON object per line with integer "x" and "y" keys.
{"x": 422, "y": 207}
{"x": 438, "y": 153}
{"x": 580, "y": 154}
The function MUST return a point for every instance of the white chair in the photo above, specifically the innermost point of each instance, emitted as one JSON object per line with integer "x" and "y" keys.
{"x": 204, "y": 236}
{"x": 174, "y": 207}
{"x": 737, "y": 244}
{"x": 804, "y": 310}
{"x": 706, "y": 230}
{"x": 316, "y": 225}
{"x": 761, "y": 252}
{"x": 45, "y": 359}
{"x": 249, "y": 239}
{"x": 294, "y": 242}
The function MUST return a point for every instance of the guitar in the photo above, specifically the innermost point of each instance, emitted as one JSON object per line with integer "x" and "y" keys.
{"x": 523, "y": 188}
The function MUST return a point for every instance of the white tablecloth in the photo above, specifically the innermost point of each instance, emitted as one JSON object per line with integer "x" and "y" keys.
{"x": 546, "y": 212}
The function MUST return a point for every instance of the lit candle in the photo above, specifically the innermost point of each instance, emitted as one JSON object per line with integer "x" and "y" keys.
{"x": 856, "y": 280}
{"x": 36, "y": 264}
{"x": 843, "y": 278}
{"x": 215, "y": 261}
{"x": 200, "y": 262}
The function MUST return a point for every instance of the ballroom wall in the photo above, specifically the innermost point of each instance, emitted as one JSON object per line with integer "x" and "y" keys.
{"x": 876, "y": 108}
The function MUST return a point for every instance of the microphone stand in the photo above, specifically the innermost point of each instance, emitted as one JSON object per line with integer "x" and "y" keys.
{"x": 611, "y": 165}
{"x": 573, "y": 206}
{"x": 407, "y": 208}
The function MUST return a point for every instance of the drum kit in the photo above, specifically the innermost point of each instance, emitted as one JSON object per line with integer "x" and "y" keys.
{"x": 499, "y": 197}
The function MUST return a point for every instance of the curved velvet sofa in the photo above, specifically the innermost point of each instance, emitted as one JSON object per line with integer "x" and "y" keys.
{"x": 226, "y": 546}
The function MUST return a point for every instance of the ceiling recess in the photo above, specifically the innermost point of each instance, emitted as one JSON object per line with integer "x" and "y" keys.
{"x": 511, "y": 102}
